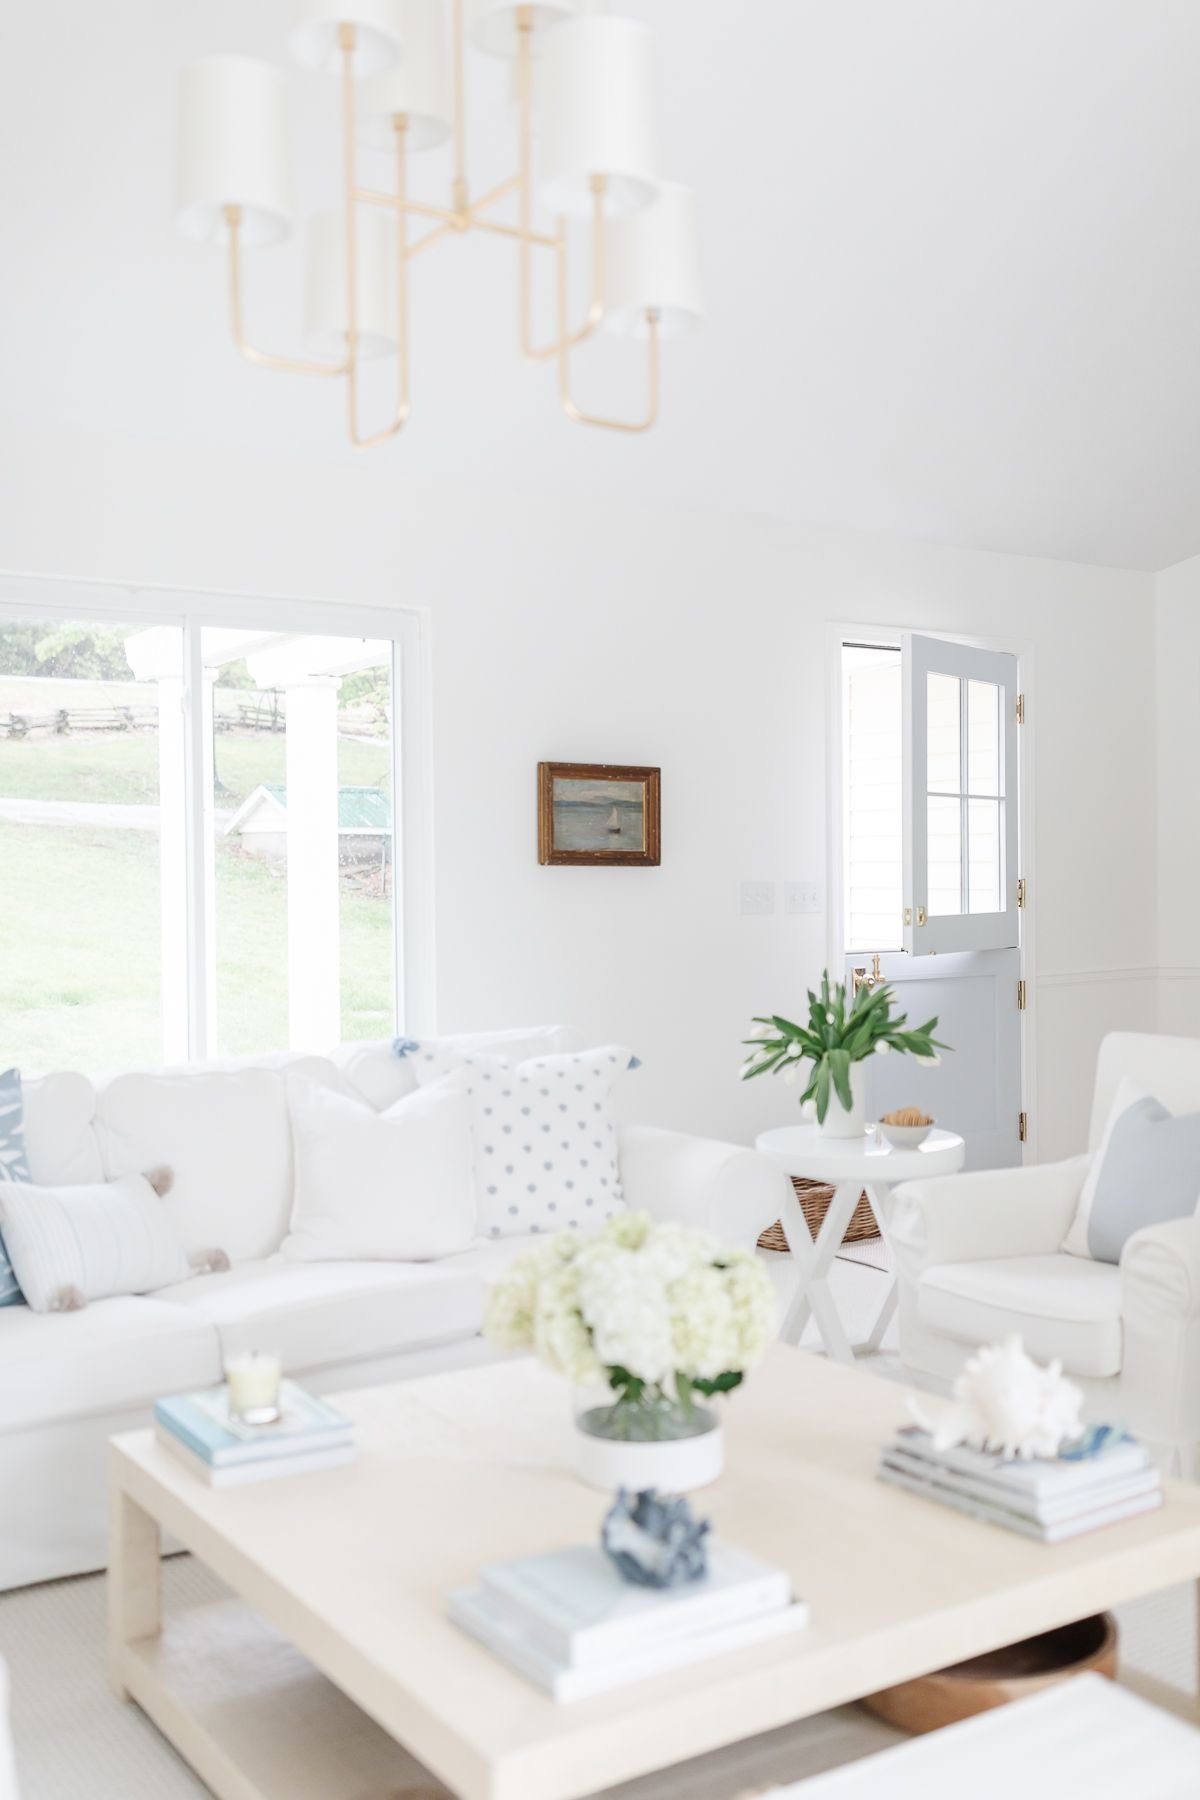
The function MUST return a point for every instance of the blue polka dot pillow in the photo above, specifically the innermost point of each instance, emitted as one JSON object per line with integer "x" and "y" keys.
{"x": 543, "y": 1138}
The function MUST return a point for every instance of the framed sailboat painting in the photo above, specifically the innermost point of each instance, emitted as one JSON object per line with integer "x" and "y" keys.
{"x": 594, "y": 813}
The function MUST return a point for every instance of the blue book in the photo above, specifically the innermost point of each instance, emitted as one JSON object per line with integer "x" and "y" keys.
{"x": 204, "y": 1424}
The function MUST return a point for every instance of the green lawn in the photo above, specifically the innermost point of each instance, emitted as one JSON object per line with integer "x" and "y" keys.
{"x": 79, "y": 949}
{"x": 123, "y": 766}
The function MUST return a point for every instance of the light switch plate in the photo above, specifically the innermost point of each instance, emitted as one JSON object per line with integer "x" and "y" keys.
{"x": 756, "y": 898}
{"x": 803, "y": 897}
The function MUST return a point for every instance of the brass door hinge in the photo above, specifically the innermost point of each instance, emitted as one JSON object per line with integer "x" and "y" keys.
{"x": 1023, "y": 1126}
{"x": 1021, "y": 891}
{"x": 1020, "y": 709}
{"x": 1022, "y": 995}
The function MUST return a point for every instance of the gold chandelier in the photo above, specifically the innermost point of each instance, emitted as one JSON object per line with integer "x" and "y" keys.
{"x": 598, "y": 158}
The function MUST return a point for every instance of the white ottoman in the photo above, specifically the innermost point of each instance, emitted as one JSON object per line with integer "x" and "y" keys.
{"x": 1087, "y": 1737}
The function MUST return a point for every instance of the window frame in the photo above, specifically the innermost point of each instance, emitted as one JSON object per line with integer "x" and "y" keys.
{"x": 31, "y": 597}
{"x": 925, "y": 933}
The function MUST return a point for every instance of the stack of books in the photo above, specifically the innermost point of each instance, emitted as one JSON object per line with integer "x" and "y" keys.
{"x": 568, "y": 1621}
{"x": 225, "y": 1452}
{"x": 1048, "y": 1499}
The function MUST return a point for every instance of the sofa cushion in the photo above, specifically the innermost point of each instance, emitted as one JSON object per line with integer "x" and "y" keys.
{"x": 115, "y": 1355}
{"x": 316, "y": 1315}
{"x": 225, "y": 1134}
{"x": 60, "y": 1134}
{"x": 1060, "y": 1306}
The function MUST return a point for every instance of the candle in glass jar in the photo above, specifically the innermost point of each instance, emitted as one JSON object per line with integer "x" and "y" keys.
{"x": 253, "y": 1380}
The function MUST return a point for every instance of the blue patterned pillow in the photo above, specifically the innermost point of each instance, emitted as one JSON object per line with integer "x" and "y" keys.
{"x": 14, "y": 1166}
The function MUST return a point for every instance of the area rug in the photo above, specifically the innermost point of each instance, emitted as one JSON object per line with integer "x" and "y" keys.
{"x": 76, "y": 1741}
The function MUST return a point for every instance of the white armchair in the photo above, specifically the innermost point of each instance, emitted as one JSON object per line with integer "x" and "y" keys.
{"x": 979, "y": 1257}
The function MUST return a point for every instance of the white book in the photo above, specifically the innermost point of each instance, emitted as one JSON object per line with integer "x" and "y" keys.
{"x": 1041, "y": 1509}
{"x": 1041, "y": 1476}
{"x": 991, "y": 1514}
{"x": 577, "y": 1608}
{"x": 478, "y": 1612}
{"x": 333, "y": 1456}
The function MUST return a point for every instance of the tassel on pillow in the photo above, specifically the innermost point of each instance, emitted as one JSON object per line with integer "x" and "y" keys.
{"x": 204, "y": 1262}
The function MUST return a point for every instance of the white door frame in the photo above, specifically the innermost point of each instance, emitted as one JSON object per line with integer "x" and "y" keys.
{"x": 137, "y": 603}
{"x": 838, "y": 633}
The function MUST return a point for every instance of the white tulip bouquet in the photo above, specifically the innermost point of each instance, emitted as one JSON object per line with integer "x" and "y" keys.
{"x": 658, "y": 1312}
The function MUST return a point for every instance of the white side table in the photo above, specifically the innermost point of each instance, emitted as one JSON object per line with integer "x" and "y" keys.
{"x": 854, "y": 1166}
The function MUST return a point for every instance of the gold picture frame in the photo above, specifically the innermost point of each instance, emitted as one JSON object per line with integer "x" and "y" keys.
{"x": 591, "y": 814}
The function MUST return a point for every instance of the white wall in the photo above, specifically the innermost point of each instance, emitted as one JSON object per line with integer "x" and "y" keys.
{"x": 1177, "y": 727}
{"x": 594, "y": 633}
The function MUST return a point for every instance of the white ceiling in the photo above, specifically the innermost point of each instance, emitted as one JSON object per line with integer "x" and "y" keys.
{"x": 952, "y": 254}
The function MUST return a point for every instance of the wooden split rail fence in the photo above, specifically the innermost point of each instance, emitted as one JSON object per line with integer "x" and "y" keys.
{"x": 263, "y": 713}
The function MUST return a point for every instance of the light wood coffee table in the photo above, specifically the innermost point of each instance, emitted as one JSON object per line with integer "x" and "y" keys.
{"x": 334, "y": 1627}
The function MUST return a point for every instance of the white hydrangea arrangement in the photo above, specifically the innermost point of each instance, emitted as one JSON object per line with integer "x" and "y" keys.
{"x": 658, "y": 1312}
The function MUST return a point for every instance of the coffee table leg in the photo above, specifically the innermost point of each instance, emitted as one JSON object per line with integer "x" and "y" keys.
{"x": 814, "y": 1258}
{"x": 134, "y": 1581}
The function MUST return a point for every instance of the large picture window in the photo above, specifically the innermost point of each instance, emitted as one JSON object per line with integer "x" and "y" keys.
{"x": 200, "y": 833}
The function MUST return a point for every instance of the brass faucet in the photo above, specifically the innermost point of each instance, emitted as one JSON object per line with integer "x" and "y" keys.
{"x": 862, "y": 979}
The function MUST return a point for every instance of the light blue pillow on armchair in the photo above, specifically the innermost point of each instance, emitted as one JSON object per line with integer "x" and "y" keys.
{"x": 1149, "y": 1172}
{"x": 14, "y": 1166}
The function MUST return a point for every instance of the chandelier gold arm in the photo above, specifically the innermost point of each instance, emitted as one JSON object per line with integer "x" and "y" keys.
{"x": 350, "y": 200}
{"x": 526, "y": 234}
{"x": 631, "y": 426}
{"x": 461, "y": 216}
{"x": 290, "y": 365}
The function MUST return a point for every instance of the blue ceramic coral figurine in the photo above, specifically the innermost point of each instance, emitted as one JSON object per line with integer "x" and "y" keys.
{"x": 655, "y": 1542}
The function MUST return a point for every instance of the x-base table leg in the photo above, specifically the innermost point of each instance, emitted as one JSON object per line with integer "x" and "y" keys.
{"x": 815, "y": 1257}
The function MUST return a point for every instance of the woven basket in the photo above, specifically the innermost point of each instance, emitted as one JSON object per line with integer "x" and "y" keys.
{"x": 814, "y": 1198}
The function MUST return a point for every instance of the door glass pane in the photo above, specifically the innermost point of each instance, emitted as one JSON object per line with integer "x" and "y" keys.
{"x": 301, "y": 736}
{"x": 945, "y": 855}
{"x": 91, "y": 749}
{"x": 983, "y": 868}
{"x": 943, "y": 734}
{"x": 983, "y": 738}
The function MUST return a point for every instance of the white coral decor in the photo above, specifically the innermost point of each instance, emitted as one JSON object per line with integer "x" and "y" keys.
{"x": 654, "y": 1310}
{"x": 1006, "y": 1402}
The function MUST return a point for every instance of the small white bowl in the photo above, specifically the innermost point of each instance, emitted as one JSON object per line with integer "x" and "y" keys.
{"x": 905, "y": 1137}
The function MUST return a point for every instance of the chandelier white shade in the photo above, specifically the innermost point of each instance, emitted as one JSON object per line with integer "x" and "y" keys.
{"x": 652, "y": 265}
{"x": 495, "y": 25}
{"x": 233, "y": 150}
{"x": 326, "y": 307}
{"x": 378, "y": 33}
{"x": 592, "y": 138}
{"x": 418, "y": 88}
{"x": 598, "y": 116}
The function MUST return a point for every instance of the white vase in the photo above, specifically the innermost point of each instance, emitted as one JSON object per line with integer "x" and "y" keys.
{"x": 673, "y": 1465}
{"x": 838, "y": 1122}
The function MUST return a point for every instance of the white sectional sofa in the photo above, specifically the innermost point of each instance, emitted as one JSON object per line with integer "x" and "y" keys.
{"x": 69, "y": 1380}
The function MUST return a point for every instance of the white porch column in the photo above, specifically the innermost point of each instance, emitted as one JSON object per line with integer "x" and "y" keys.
{"x": 314, "y": 935}
{"x": 172, "y": 870}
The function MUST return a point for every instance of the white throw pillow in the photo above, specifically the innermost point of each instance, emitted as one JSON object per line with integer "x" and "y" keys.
{"x": 391, "y": 1186}
{"x": 70, "y": 1245}
{"x": 545, "y": 1143}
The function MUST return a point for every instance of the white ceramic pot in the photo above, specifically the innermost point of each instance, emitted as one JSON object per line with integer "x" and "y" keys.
{"x": 672, "y": 1465}
{"x": 838, "y": 1122}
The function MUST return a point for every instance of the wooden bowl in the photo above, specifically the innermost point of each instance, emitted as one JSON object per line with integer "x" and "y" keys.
{"x": 1089, "y": 1645}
